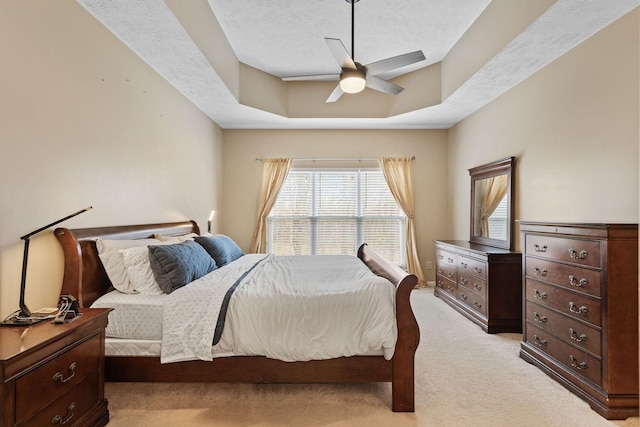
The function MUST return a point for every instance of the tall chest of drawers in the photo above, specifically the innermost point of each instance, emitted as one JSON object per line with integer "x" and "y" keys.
{"x": 481, "y": 282}
{"x": 581, "y": 310}
{"x": 54, "y": 374}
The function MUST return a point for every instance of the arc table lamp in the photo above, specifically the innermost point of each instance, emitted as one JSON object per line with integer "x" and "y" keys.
{"x": 24, "y": 317}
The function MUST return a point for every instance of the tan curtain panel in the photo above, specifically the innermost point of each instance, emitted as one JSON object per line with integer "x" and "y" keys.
{"x": 274, "y": 173}
{"x": 494, "y": 191}
{"x": 399, "y": 175}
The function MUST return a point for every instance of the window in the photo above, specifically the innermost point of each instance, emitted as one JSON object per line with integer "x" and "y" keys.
{"x": 321, "y": 212}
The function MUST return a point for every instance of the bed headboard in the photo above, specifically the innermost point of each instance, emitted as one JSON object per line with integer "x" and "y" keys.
{"x": 84, "y": 276}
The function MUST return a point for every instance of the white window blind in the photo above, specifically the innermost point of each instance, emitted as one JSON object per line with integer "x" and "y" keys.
{"x": 321, "y": 212}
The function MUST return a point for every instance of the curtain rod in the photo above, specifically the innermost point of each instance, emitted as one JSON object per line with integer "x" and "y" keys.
{"x": 332, "y": 159}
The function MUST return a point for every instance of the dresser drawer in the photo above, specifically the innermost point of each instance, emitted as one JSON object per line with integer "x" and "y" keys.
{"x": 472, "y": 266}
{"x": 71, "y": 406}
{"x": 568, "y": 276}
{"x": 473, "y": 283}
{"x": 565, "y": 328}
{"x": 42, "y": 385}
{"x": 446, "y": 284}
{"x": 473, "y": 300}
{"x": 573, "y": 304}
{"x": 575, "y": 360}
{"x": 577, "y": 251}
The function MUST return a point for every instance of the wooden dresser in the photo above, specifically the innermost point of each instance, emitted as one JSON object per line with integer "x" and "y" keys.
{"x": 481, "y": 282}
{"x": 54, "y": 374}
{"x": 581, "y": 310}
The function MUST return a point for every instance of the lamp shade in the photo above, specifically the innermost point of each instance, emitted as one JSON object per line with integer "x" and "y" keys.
{"x": 352, "y": 81}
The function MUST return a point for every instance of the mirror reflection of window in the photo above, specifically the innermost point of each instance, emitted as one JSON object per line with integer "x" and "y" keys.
{"x": 492, "y": 206}
{"x": 498, "y": 221}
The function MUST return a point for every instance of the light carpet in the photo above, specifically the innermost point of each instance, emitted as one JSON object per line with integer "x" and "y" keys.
{"x": 464, "y": 377}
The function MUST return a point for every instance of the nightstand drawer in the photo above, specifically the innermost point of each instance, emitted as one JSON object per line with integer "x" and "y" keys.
{"x": 56, "y": 377}
{"x": 71, "y": 406}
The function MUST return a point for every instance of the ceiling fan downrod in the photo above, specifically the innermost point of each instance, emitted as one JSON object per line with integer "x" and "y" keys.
{"x": 353, "y": 38}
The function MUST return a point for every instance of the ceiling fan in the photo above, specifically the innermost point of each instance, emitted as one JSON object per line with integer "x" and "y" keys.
{"x": 354, "y": 76}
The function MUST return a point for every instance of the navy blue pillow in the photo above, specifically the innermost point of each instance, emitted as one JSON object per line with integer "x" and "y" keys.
{"x": 221, "y": 248}
{"x": 176, "y": 265}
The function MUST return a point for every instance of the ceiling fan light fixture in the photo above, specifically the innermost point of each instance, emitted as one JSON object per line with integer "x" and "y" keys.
{"x": 352, "y": 81}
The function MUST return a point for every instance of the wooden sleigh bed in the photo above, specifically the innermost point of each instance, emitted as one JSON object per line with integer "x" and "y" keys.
{"x": 86, "y": 279}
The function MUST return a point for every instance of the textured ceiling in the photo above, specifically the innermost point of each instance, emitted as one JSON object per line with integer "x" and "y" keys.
{"x": 286, "y": 38}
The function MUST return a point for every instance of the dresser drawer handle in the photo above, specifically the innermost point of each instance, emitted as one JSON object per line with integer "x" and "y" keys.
{"x": 464, "y": 265}
{"x": 539, "y": 295}
{"x": 62, "y": 421}
{"x": 72, "y": 372}
{"x": 579, "y": 338}
{"x": 477, "y": 305}
{"x": 581, "y": 310}
{"x": 539, "y": 272}
{"x": 477, "y": 287}
{"x": 439, "y": 284}
{"x": 463, "y": 297}
{"x": 450, "y": 275}
{"x": 582, "y": 283}
{"x": 450, "y": 289}
{"x": 575, "y": 255}
{"x": 440, "y": 270}
{"x": 538, "y": 318}
{"x": 539, "y": 248}
{"x": 574, "y": 362}
{"x": 463, "y": 280}
{"x": 440, "y": 256}
{"x": 540, "y": 343}
{"x": 450, "y": 260}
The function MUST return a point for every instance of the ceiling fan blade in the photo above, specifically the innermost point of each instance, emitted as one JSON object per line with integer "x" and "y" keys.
{"x": 384, "y": 86}
{"x": 392, "y": 63}
{"x": 313, "y": 77}
{"x": 340, "y": 53}
{"x": 335, "y": 95}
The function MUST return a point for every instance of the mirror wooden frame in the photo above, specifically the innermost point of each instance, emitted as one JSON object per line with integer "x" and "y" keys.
{"x": 489, "y": 170}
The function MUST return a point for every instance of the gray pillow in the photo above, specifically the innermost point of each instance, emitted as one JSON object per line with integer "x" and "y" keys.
{"x": 176, "y": 265}
{"x": 221, "y": 248}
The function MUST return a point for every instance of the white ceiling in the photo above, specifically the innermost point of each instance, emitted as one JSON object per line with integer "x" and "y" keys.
{"x": 286, "y": 38}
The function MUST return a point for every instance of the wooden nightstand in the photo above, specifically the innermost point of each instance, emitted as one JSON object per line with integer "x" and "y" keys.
{"x": 54, "y": 374}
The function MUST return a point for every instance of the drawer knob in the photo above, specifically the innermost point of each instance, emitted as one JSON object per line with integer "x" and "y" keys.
{"x": 539, "y": 272}
{"x": 439, "y": 283}
{"x": 464, "y": 265}
{"x": 538, "y": 318}
{"x": 539, "y": 295}
{"x": 463, "y": 297}
{"x": 540, "y": 343}
{"x": 575, "y": 255}
{"x": 463, "y": 280}
{"x": 574, "y": 308}
{"x": 450, "y": 289}
{"x": 477, "y": 305}
{"x": 578, "y": 284}
{"x": 450, "y": 260}
{"x": 539, "y": 248}
{"x": 574, "y": 336}
{"x": 72, "y": 372}
{"x": 477, "y": 270}
{"x": 62, "y": 421}
{"x": 477, "y": 287}
{"x": 574, "y": 362}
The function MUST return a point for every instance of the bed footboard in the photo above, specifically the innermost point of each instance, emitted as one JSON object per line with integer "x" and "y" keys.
{"x": 403, "y": 389}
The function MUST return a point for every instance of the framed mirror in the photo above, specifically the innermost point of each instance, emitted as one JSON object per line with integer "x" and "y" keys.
{"x": 492, "y": 203}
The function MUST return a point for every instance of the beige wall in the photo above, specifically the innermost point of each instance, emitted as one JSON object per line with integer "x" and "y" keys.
{"x": 85, "y": 122}
{"x": 574, "y": 129}
{"x": 242, "y": 174}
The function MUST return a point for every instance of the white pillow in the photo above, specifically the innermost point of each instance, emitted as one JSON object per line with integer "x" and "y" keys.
{"x": 136, "y": 260}
{"x": 175, "y": 239}
{"x": 108, "y": 251}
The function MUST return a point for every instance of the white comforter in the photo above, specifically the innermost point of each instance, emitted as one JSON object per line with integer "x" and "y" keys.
{"x": 288, "y": 308}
